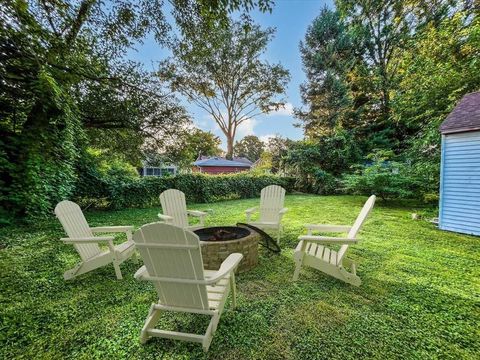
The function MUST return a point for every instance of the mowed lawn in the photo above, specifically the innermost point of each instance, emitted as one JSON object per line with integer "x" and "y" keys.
{"x": 419, "y": 298}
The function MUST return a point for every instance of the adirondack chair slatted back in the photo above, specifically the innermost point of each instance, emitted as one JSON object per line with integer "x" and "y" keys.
{"x": 174, "y": 205}
{"x": 75, "y": 225}
{"x": 271, "y": 202}
{"x": 171, "y": 252}
{"x": 367, "y": 208}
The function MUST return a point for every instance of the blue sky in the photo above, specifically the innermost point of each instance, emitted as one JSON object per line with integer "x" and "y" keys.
{"x": 291, "y": 19}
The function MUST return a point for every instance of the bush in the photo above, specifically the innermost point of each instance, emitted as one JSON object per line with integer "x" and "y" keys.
{"x": 333, "y": 154}
{"x": 198, "y": 188}
{"x": 387, "y": 179}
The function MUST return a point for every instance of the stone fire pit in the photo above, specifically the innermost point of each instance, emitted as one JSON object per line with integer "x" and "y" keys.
{"x": 220, "y": 241}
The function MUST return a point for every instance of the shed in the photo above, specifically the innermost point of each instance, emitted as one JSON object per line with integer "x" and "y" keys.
{"x": 460, "y": 168}
{"x": 219, "y": 165}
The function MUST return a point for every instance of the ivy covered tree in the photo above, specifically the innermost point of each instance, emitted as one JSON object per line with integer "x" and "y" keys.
{"x": 65, "y": 84}
{"x": 220, "y": 70}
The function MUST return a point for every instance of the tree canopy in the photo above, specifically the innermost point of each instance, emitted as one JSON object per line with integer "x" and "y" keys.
{"x": 250, "y": 147}
{"x": 66, "y": 85}
{"x": 386, "y": 73}
{"x": 220, "y": 69}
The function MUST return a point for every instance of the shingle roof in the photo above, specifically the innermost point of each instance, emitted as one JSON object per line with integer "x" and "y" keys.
{"x": 242, "y": 160}
{"x": 465, "y": 116}
{"x": 218, "y": 161}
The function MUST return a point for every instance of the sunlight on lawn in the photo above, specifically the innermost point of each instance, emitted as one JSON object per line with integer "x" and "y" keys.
{"x": 417, "y": 299}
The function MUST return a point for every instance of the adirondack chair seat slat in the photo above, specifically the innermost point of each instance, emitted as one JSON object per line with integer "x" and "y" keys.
{"x": 311, "y": 252}
{"x": 80, "y": 234}
{"x": 271, "y": 209}
{"x": 173, "y": 263}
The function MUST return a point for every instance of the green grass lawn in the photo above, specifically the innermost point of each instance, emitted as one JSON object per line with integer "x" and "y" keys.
{"x": 419, "y": 298}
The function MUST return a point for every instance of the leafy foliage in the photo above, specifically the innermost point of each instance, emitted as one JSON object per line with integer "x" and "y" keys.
{"x": 250, "y": 147}
{"x": 390, "y": 72}
{"x": 126, "y": 192}
{"x": 65, "y": 85}
{"x": 277, "y": 147}
{"x": 384, "y": 178}
{"x": 189, "y": 144}
{"x": 220, "y": 69}
{"x": 328, "y": 53}
{"x": 315, "y": 165}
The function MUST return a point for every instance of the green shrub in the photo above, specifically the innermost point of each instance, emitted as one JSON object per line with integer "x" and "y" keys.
{"x": 323, "y": 183}
{"x": 387, "y": 179}
{"x": 198, "y": 188}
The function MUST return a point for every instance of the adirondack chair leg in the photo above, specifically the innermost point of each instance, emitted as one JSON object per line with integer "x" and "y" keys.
{"x": 152, "y": 319}
{"x": 72, "y": 273}
{"x": 116, "y": 266}
{"x": 298, "y": 264}
{"x": 212, "y": 327}
{"x": 84, "y": 267}
{"x": 234, "y": 290}
{"x": 279, "y": 233}
{"x": 215, "y": 321}
{"x": 348, "y": 277}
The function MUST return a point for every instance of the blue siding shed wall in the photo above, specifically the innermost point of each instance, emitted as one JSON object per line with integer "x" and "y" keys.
{"x": 460, "y": 183}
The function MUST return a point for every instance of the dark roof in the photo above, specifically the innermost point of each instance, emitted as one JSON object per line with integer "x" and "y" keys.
{"x": 242, "y": 160}
{"x": 465, "y": 116}
{"x": 218, "y": 161}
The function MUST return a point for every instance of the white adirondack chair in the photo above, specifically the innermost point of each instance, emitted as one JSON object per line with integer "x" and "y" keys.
{"x": 271, "y": 209}
{"x": 175, "y": 210}
{"x": 173, "y": 262}
{"x": 311, "y": 250}
{"x": 80, "y": 235}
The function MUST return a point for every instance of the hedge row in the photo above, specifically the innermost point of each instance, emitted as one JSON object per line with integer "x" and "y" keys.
{"x": 198, "y": 188}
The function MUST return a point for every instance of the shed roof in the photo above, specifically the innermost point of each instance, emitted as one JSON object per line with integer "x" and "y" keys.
{"x": 465, "y": 116}
{"x": 218, "y": 161}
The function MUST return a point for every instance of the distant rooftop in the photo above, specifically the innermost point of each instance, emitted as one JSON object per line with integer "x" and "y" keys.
{"x": 465, "y": 116}
{"x": 220, "y": 161}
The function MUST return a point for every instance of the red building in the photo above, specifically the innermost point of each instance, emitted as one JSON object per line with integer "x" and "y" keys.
{"x": 219, "y": 165}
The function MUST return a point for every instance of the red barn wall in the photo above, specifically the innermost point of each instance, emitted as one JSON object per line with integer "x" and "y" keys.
{"x": 213, "y": 170}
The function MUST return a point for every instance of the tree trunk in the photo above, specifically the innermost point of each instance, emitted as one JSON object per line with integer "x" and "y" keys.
{"x": 230, "y": 139}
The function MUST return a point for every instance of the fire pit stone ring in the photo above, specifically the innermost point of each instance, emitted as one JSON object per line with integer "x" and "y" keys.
{"x": 220, "y": 241}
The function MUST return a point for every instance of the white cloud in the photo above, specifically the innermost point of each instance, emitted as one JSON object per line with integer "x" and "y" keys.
{"x": 266, "y": 138}
{"x": 246, "y": 128}
{"x": 287, "y": 110}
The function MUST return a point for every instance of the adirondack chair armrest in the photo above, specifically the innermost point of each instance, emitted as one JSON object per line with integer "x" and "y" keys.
{"x": 251, "y": 210}
{"x": 283, "y": 211}
{"x": 228, "y": 265}
{"x": 328, "y": 239}
{"x": 165, "y": 217}
{"x": 328, "y": 228}
{"x": 140, "y": 273}
{"x": 196, "y": 213}
{"x": 111, "y": 229}
{"x": 87, "y": 240}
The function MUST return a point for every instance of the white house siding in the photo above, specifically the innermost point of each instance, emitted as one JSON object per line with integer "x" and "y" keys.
{"x": 460, "y": 183}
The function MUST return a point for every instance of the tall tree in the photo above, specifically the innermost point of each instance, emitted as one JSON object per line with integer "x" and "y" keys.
{"x": 250, "y": 147}
{"x": 278, "y": 147}
{"x": 222, "y": 72}
{"x": 328, "y": 54}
